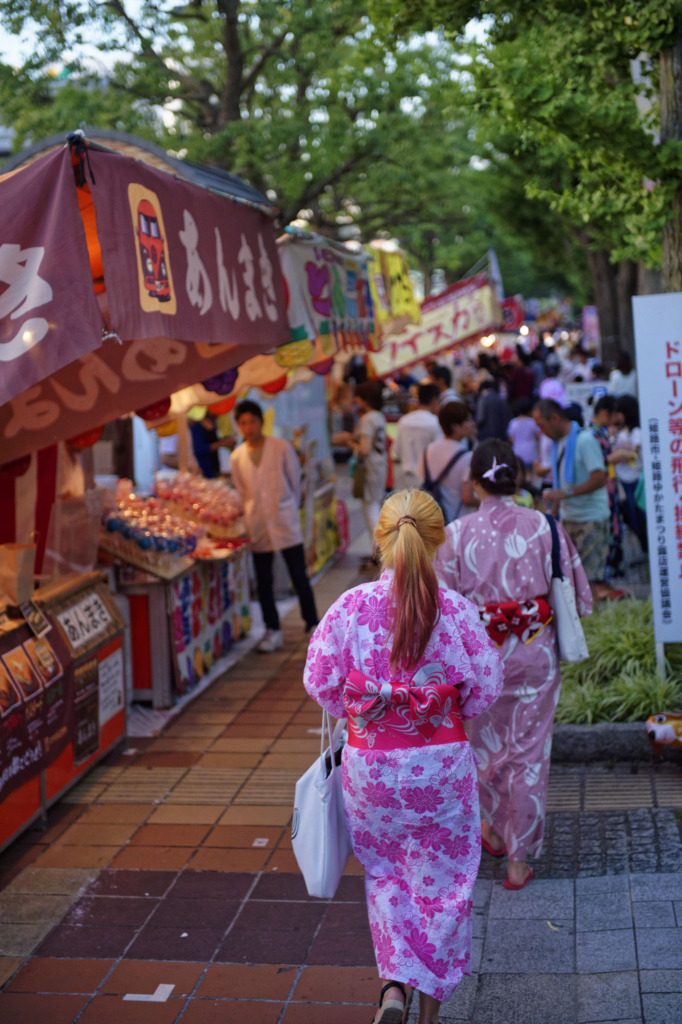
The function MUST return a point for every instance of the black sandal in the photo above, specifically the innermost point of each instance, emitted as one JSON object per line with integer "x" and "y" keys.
{"x": 392, "y": 1012}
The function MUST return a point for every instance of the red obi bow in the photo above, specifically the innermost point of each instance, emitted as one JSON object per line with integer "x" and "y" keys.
{"x": 526, "y": 619}
{"x": 424, "y": 704}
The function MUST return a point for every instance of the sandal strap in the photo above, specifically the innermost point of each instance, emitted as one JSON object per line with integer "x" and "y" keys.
{"x": 393, "y": 984}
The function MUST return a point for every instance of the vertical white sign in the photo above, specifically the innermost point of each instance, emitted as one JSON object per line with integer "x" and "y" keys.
{"x": 658, "y": 342}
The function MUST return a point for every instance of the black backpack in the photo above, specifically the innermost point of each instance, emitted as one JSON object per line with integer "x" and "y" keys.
{"x": 434, "y": 488}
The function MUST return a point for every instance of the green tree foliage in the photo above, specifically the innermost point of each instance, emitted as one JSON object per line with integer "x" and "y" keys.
{"x": 308, "y": 101}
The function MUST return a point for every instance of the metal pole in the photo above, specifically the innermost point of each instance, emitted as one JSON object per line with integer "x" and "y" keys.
{"x": 660, "y": 660}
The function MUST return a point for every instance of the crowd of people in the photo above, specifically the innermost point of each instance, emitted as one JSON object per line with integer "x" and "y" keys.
{"x": 496, "y": 490}
{"x": 587, "y": 474}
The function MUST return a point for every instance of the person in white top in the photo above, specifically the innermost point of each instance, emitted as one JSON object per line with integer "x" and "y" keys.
{"x": 627, "y": 458}
{"x": 446, "y": 462}
{"x": 623, "y": 380}
{"x": 267, "y": 475}
{"x": 415, "y": 431}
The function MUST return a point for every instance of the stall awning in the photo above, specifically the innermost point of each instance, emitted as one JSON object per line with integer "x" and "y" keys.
{"x": 188, "y": 286}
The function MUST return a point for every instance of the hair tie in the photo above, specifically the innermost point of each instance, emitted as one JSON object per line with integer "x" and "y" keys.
{"x": 405, "y": 519}
{"x": 490, "y": 475}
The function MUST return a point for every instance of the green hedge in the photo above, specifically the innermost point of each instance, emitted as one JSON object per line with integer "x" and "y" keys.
{"x": 619, "y": 681}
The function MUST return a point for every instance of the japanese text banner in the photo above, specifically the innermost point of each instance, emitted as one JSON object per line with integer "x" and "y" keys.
{"x": 105, "y": 384}
{"x": 462, "y": 311}
{"x": 658, "y": 342}
{"x": 48, "y": 310}
{"x": 182, "y": 262}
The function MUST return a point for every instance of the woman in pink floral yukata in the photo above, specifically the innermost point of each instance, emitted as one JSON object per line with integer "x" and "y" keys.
{"x": 501, "y": 558}
{"x": 406, "y": 661}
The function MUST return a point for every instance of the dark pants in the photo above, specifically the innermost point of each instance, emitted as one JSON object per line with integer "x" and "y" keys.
{"x": 636, "y": 518}
{"x": 295, "y": 559}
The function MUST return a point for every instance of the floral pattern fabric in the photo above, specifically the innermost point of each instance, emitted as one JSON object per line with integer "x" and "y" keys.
{"x": 503, "y": 552}
{"x": 412, "y": 812}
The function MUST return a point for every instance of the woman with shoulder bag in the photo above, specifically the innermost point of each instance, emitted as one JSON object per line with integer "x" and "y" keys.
{"x": 500, "y": 557}
{"x": 406, "y": 662}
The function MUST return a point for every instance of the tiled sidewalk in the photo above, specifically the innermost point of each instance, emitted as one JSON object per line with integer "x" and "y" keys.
{"x": 168, "y": 873}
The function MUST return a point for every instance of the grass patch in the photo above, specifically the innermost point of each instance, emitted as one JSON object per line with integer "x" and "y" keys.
{"x": 619, "y": 681}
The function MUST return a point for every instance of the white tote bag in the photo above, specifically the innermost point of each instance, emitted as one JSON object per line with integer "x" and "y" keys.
{"x": 569, "y": 631}
{"x": 319, "y": 833}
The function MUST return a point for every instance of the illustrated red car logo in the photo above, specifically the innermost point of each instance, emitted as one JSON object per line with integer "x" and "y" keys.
{"x": 151, "y": 251}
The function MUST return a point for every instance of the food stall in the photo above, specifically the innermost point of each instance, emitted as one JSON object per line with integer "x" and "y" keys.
{"x": 62, "y": 695}
{"x": 126, "y": 284}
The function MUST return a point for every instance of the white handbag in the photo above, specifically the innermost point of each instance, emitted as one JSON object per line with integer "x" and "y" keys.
{"x": 319, "y": 832}
{"x": 569, "y": 630}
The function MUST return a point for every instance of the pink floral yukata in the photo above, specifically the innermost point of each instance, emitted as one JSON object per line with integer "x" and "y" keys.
{"x": 504, "y": 552}
{"x": 412, "y": 811}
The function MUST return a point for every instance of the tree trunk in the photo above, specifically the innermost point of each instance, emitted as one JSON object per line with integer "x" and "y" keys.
{"x": 230, "y": 101}
{"x": 626, "y": 287}
{"x": 648, "y": 281}
{"x": 671, "y": 128}
{"x": 603, "y": 275}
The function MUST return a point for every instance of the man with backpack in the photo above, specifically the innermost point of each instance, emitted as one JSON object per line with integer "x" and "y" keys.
{"x": 444, "y": 465}
{"x": 415, "y": 430}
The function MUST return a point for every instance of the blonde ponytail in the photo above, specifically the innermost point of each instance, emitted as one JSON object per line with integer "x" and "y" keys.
{"x": 409, "y": 532}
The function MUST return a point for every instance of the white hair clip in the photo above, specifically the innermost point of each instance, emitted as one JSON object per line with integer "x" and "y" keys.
{"x": 490, "y": 475}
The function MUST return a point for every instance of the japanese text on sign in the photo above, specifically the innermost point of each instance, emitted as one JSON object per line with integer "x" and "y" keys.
{"x": 84, "y": 621}
{"x": 659, "y": 371}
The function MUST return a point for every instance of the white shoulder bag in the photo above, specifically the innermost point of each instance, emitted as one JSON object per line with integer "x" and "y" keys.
{"x": 319, "y": 833}
{"x": 569, "y": 631}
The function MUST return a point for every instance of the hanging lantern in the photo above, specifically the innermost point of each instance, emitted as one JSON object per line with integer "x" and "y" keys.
{"x": 155, "y": 411}
{"x": 222, "y": 383}
{"x": 86, "y": 439}
{"x": 221, "y": 408}
{"x": 274, "y": 386}
{"x": 17, "y": 467}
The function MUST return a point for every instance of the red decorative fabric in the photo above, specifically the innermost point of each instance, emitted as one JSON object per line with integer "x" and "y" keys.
{"x": 526, "y": 619}
{"x": 386, "y": 716}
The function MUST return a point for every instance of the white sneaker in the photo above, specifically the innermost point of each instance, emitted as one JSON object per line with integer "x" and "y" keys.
{"x": 272, "y": 641}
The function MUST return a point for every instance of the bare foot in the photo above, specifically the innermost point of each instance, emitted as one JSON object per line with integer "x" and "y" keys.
{"x": 491, "y": 837}
{"x": 517, "y": 871}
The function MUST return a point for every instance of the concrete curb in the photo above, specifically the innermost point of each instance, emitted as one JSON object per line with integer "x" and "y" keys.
{"x": 606, "y": 741}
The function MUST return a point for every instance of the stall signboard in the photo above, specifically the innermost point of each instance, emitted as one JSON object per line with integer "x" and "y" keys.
{"x": 48, "y": 310}
{"x": 36, "y": 704}
{"x": 183, "y": 263}
{"x": 462, "y": 311}
{"x": 392, "y": 293}
{"x": 329, "y": 305}
{"x": 105, "y": 384}
{"x": 210, "y": 610}
{"x": 658, "y": 342}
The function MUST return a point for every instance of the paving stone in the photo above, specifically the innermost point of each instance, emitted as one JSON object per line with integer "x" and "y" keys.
{"x": 525, "y": 999}
{"x": 659, "y": 914}
{"x": 461, "y": 1005}
{"x": 662, "y": 1009}
{"x": 543, "y": 898}
{"x": 22, "y": 939}
{"x": 32, "y": 908}
{"x": 607, "y": 997}
{"x": 603, "y": 911}
{"x": 661, "y": 981}
{"x": 659, "y": 948}
{"x": 606, "y": 883}
{"x": 649, "y": 888}
{"x": 606, "y": 951}
{"x": 53, "y": 881}
{"x": 516, "y": 946}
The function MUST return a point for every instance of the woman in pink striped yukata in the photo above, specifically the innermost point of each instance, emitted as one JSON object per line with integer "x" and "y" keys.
{"x": 406, "y": 662}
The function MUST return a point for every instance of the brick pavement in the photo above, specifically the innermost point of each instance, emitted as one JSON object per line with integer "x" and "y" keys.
{"x": 169, "y": 873}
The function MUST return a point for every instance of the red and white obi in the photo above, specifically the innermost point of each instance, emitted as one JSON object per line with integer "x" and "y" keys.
{"x": 388, "y": 716}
